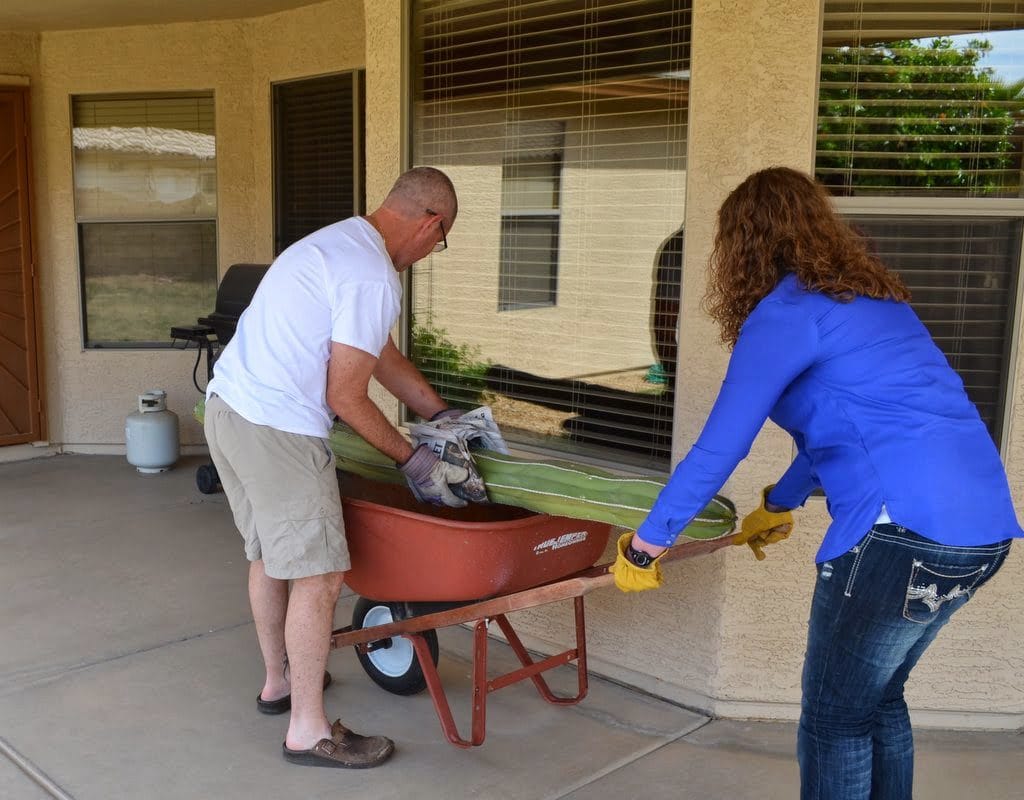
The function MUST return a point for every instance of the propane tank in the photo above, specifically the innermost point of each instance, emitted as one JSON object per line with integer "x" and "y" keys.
{"x": 151, "y": 434}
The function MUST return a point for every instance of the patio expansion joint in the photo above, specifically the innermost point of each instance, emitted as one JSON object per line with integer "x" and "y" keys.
{"x": 34, "y": 773}
{"x": 615, "y": 766}
{"x": 10, "y": 684}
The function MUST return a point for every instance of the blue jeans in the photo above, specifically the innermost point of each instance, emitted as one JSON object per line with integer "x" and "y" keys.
{"x": 875, "y": 611}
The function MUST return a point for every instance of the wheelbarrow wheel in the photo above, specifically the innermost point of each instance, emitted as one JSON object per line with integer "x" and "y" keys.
{"x": 391, "y": 663}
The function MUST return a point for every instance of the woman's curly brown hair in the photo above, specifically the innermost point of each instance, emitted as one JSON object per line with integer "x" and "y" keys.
{"x": 778, "y": 221}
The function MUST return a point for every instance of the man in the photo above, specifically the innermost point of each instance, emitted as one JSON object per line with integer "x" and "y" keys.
{"x": 316, "y": 331}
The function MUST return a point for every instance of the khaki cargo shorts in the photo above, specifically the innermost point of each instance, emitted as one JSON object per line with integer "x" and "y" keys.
{"x": 283, "y": 492}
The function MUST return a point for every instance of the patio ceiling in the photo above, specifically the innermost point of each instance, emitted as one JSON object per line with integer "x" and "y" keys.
{"x": 56, "y": 15}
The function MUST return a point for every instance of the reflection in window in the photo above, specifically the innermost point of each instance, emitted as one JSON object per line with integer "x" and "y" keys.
{"x": 529, "y": 234}
{"x": 563, "y": 126}
{"x": 923, "y": 102}
{"x": 146, "y": 204}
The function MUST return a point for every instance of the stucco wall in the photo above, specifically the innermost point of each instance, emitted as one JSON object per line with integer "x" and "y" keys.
{"x": 91, "y": 391}
{"x": 19, "y": 56}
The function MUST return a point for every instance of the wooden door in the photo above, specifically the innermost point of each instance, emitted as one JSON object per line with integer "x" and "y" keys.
{"x": 21, "y": 417}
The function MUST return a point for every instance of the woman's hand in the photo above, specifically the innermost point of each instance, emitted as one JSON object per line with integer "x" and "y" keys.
{"x": 636, "y": 566}
{"x": 767, "y": 525}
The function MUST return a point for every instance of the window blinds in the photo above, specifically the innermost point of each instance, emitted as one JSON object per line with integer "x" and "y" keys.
{"x": 144, "y": 157}
{"x": 563, "y": 127}
{"x": 318, "y": 154}
{"x": 145, "y": 175}
{"x": 921, "y": 97}
{"x": 962, "y": 273}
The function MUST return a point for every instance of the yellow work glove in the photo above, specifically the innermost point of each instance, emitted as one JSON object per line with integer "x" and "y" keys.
{"x": 763, "y": 527}
{"x": 628, "y": 576}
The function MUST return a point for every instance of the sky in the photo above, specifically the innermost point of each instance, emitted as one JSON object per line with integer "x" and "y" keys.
{"x": 1007, "y": 56}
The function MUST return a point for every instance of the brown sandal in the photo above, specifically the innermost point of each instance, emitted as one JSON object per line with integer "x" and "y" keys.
{"x": 282, "y": 704}
{"x": 344, "y": 749}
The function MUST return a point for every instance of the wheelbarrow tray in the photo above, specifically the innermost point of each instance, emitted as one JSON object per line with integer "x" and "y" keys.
{"x": 403, "y": 550}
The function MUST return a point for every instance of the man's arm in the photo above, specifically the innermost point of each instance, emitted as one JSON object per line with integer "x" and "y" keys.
{"x": 399, "y": 375}
{"x": 348, "y": 380}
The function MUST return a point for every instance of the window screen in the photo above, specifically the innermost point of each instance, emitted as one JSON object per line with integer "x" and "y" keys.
{"x": 145, "y": 174}
{"x": 920, "y": 137}
{"x": 319, "y": 160}
{"x": 563, "y": 127}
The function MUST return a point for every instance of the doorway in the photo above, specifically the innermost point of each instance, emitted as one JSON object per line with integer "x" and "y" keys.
{"x": 21, "y": 404}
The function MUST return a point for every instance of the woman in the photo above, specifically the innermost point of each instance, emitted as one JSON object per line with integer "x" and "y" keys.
{"x": 825, "y": 345}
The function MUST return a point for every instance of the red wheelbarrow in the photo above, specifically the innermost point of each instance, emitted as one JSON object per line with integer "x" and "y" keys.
{"x": 416, "y": 573}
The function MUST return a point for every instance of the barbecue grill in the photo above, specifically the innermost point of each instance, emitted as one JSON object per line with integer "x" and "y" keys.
{"x": 212, "y": 332}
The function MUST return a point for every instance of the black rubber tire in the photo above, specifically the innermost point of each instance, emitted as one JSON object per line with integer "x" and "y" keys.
{"x": 395, "y": 667}
{"x": 207, "y": 479}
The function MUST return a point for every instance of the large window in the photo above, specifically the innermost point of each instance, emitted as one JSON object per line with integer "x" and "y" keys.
{"x": 146, "y": 205}
{"x": 920, "y": 134}
{"x": 563, "y": 127}
{"x": 319, "y": 160}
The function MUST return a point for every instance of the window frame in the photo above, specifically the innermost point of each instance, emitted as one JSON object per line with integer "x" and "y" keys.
{"x": 142, "y": 219}
{"x": 663, "y": 106}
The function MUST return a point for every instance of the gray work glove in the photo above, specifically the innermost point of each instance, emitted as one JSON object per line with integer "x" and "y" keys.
{"x": 432, "y": 479}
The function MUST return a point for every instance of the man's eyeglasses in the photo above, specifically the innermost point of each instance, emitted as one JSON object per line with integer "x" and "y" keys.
{"x": 442, "y": 245}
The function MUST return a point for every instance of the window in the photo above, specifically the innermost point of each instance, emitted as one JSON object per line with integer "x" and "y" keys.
{"x": 920, "y": 139}
{"x": 529, "y": 234}
{"x": 319, "y": 160}
{"x": 563, "y": 127}
{"x": 145, "y": 176}
{"x": 962, "y": 272}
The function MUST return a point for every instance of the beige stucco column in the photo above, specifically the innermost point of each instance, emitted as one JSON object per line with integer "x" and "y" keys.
{"x": 753, "y": 105}
{"x": 386, "y": 140}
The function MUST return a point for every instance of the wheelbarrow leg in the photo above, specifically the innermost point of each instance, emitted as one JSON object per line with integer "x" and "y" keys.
{"x": 436, "y": 689}
{"x": 579, "y": 655}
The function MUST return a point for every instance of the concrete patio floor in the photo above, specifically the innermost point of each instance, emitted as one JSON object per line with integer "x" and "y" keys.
{"x": 129, "y": 669}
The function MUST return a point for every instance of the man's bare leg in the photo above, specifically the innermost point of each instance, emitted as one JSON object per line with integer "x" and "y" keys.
{"x": 269, "y": 600}
{"x": 307, "y": 628}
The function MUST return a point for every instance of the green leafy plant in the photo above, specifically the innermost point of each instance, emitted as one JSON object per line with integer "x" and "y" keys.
{"x": 456, "y": 371}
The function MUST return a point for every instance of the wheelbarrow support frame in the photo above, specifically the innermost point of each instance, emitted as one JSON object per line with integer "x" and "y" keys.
{"x": 481, "y": 614}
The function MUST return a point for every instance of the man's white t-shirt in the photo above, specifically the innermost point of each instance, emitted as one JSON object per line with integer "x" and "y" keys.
{"x": 337, "y": 284}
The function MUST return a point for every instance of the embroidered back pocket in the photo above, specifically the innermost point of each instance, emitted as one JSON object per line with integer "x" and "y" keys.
{"x": 931, "y": 587}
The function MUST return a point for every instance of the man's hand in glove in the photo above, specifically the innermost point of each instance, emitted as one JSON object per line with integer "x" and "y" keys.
{"x": 767, "y": 525}
{"x": 431, "y": 479}
{"x": 476, "y": 428}
{"x": 629, "y": 576}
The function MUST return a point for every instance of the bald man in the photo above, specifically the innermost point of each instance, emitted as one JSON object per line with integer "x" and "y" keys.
{"x": 317, "y": 329}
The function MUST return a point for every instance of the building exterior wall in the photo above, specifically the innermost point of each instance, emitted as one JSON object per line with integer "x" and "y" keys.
{"x": 726, "y": 633}
{"x": 91, "y": 391}
{"x": 19, "y": 57}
